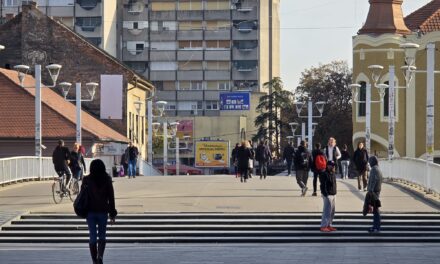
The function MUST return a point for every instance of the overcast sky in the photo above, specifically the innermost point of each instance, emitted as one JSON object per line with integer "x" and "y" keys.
{"x": 320, "y": 31}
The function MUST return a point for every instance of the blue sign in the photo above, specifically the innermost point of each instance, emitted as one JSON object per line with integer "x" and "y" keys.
{"x": 235, "y": 101}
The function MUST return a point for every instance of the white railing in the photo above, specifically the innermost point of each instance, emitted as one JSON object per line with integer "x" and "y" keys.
{"x": 414, "y": 172}
{"x": 147, "y": 169}
{"x": 26, "y": 168}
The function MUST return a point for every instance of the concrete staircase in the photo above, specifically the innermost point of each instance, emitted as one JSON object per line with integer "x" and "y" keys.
{"x": 225, "y": 228}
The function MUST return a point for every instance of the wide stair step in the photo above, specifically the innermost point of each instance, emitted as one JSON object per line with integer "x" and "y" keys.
{"x": 225, "y": 228}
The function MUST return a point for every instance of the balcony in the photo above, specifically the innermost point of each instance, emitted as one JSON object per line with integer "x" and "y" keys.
{"x": 190, "y": 15}
{"x": 190, "y": 35}
{"x": 165, "y": 35}
{"x": 217, "y": 35}
{"x": 217, "y": 75}
{"x": 191, "y": 75}
{"x": 135, "y": 34}
{"x": 162, "y": 75}
{"x": 163, "y": 15}
{"x": 135, "y": 16}
{"x": 245, "y": 13}
{"x": 140, "y": 55}
{"x": 218, "y": 55}
{"x": 166, "y": 96}
{"x": 162, "y": 55}
{"x": 212, "y": 95}
{"x": 187, "y": 55}
{"x": 244, "y": 34}
{"x": 190, "y": 96}
{"x": 88, "y": 4}
{"x": 217, "y": 15}
{"x": 245, "y": 54}
{"x": 245, "y": 74}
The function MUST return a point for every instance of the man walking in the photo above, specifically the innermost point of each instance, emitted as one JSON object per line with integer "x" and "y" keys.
{"x": 263, "y": 156}
{"x": 131, "y": 156}
{"x": 317, "y": 151}
{"x": 302, "y": 166}
{"x": 288, "y": 155}
{"x": 360, "y": 159}
{"x": 332, "y": 152}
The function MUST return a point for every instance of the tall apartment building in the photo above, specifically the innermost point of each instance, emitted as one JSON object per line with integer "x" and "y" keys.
{"x": 93, "y": 19}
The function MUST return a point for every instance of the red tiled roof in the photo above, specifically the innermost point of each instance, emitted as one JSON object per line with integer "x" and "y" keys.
{"x": 426, "y": 19}
{"x": 17, "y": 113}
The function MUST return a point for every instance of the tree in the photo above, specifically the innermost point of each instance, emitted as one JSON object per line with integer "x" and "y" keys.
{"x": 269, "y": 108}
{"x": 329, "y": 83}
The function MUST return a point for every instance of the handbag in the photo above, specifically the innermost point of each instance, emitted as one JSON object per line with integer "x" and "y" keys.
{"x": 81, "y": 204}
{"x": 251, "y": 164}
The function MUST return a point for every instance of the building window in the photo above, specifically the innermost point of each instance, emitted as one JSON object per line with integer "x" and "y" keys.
{"x": 138, "y": 66}
{"x": 170, "y": 106}
{"x": 246, "y": 44}
{"x": 211, "y": 105}
{"x": 218, "y": 85}
{"x": 190, "y": 25}
{"x": 191, "y": 85}
{"x": 218, "y": 65}
{"x": 136, "y": 47}
{"x": 218, "y": 25}
{"x": 246, "y": 25}
{"x": 163, "y": 6}
{"x": 88, "y": 23}
{"x": 218, "y": 44}
{"x": 9, "y": 3}
{"x": 191, "y": 44}
{"x": 88, "y": 4}
{"x": 224, "y": 86}
{"x": 246, "y": 65}
{"x": 94, "y": 41}
{"x": 163, "y": 65}
{"x": 135, "y": 24}
{"x": 362, "y": 97}
{"x": 190, "y": 5}
{"x": 218, "y": 5}
{"x": 165, "y": 45}
{"x": 163, "y": 25}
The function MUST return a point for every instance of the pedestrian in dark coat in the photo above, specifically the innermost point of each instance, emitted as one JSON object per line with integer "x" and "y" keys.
{"x": 244, "y": 155}
{"x": 328, "y": 187}
{"x": 263, "y": 156}
{"x": 288, "y": 155}
{"x": 101, "y": 206}
{"x": 315, "y": 153}
{"x": 234, "y": 158}
{"x": 302, "y": 161}
{"x": 360, "y": 159}
{"x": 77, "y": 164}
{"x": 374, "y": 187}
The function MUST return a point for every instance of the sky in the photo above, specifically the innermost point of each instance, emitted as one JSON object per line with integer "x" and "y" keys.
{"x": 317, "y": 32}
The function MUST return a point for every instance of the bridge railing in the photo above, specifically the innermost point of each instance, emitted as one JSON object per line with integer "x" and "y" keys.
{"x": 26, "y": 168}
{"x": 416, "y": 172}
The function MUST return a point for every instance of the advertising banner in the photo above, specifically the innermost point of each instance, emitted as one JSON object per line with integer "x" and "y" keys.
{"x": 212, "y": 154}
{"x": 234, "y": 101}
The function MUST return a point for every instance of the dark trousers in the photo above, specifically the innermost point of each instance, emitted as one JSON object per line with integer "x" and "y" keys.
{"x": 315, "y": 181}
{"x": 244, "y": 173}
{"x": 376, "y": 219}
{"x": 263, "y": 169}
{"x": 100, "y": 220}
{"x": 289, "y": 166}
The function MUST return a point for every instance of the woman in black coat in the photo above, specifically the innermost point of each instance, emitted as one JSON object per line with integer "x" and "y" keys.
{"x": 101, "y": 207}
{"x": 244, "y": 154}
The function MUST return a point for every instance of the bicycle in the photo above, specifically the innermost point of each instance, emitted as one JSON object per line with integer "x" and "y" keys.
{"x": 61, "y": 190}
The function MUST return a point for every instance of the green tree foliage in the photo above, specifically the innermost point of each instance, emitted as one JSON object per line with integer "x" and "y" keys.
{"x": 328, "y": 83}
{"x": 270, "y": 109}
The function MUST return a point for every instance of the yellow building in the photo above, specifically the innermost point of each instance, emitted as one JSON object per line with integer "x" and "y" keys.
{"x": 378, "y": 43}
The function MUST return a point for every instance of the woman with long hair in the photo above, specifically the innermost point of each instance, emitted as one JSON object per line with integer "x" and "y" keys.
{"x": 244, "y": 155}
{"x": 77, "y": 164}
{"x": 101, "y": 207}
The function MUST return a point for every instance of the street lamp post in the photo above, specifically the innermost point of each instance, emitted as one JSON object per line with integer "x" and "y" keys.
{"x": 302, "y": 136}
{"x": 320, "y": 106}
{"x": 54, "y": 70}
{"x": 410, "y": 70}
{"x": 91, "y": 88}
{"x": 376, "y": 70}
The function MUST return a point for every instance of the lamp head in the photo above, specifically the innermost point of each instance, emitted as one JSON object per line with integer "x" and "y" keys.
{"x": 382, "y": 90}
{"x": 161, "y": 106}
{"x": 410, "y": 52}
{"x": 409, "y": 72}
{"x": 65, "y": 87}
{"x": 174, "y": 126}
{"x": 22, "y": 71}
{"x": 355, "y": 90}
{"x": 299, "y": 106}
{"x": 54, "y": 71}
{"x": 2, "y": 47}
{"x": 155, "y": 126}
{"x": 376, "y": 71}
{"x": 320, "y": 105}
{"x": 91, "y": 88}
{"x": 293, "y": 126}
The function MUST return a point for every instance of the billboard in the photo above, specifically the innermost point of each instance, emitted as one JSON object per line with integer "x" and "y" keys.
{"x": 235, "y": 101}
{"x": 212, "y": 154}
{"x": 111, "y": 96}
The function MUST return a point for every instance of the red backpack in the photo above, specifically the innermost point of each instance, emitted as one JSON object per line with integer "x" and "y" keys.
{"x": 320, "y": 162}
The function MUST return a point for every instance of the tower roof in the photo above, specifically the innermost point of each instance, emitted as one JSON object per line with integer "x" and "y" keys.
{"x": 385, "y": 16}
{"x": 426, "y": 19}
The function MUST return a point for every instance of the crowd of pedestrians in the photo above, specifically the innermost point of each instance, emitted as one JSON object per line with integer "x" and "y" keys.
{"x": 325, "y": 164}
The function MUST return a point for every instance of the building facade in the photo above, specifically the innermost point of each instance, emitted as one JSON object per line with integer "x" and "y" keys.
{"x": 93, "y": 19}
{"x": 378, "y": 43}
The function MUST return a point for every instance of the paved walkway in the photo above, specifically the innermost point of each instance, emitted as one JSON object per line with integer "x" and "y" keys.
{"x": 211, "y": 194}
{"x": 230, "y": 254}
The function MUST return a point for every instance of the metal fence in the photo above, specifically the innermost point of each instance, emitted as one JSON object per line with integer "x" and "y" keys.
{"x": 416, "y": 172}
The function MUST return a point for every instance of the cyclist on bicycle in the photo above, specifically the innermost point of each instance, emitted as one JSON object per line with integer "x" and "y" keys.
{"x": 61, "y": 159}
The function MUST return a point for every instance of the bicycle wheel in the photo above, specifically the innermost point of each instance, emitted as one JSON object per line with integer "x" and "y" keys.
{"x": 57, "y": 194}
{"x": 73, "y": 190}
